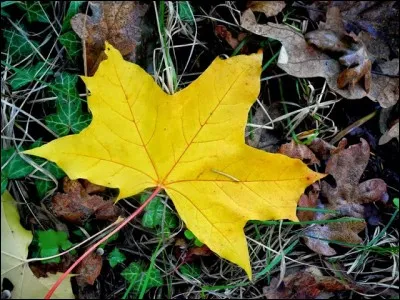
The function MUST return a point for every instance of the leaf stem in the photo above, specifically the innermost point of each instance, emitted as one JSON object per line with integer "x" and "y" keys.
{"x": 94, "y": 247}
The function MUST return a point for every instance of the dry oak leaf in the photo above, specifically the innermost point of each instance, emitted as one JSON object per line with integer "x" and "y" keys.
{"x": 318, "y": 237}
{"x": 191, "y": 144}
{"x": 118, "y": 22}
{"x": 347, "y": 166}
{"x": 77, "y": 206}
{"x": 298, "y": 58}
{"x": 305, "y": 284}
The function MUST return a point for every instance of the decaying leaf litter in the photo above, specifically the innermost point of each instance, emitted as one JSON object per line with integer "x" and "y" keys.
{"x": 280, "y": 122}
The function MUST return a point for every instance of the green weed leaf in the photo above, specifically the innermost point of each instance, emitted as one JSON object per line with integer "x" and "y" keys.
{"x": 46, "y": 184}
{"x": 135, "y": 274}
{"x": 35, "y": 11}
{"x": 190, "y": 236}
{"x": 49, "y": 243}
{"x": 69, "y": 116}
{"x": 4, "y": 183}
{"x": 116, "y": 257}
{"x": 4, "y": 4}
{"x": 190, "y": 270}
{"x": 185, "y": 11}
{"x": 18, "y": 45}
{"x": 12, "y": 164}
{"x": 24, "y": 76}
{"x": 72, "y": 44}
{"x": 396, "y": 202}
{"x": 154, "y": 212}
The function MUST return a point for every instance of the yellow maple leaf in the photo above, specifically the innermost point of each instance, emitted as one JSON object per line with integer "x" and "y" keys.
{"x": 191, "y": 144}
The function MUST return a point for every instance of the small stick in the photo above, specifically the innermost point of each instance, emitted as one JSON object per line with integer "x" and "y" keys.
{"x": 226, "y": 175}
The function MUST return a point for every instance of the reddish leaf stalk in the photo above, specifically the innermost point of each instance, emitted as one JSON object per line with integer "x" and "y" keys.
{"x": 94, "y": 247}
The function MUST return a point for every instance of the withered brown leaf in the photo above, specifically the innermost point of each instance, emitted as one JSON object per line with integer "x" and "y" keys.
{"x": 223, "y": 33}
{"x": 317, "y": 237}
{"x": 76, "y": 205}
{"x": 304, "y": 284}
{"x": 89, "y": 269}
{"x": 299, "y": 151}
{"x": 300, "y": 59}
{"x": 118, "y": 22}
{"x": 309, "y": 199}
{"x": 347, "y": 166}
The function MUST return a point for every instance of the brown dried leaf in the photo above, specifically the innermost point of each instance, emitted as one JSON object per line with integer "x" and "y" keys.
{"x": 41, "y": 270}
{"x": 334, "y": 21}
{"x": 91, "y": 188}
{"x": 300, "y": 59}
{"x": 305, "y": 284}
{"x": 347, "y": 166}
{"x": 118, "y": 22}
{"x": 269, "y": 8}
{"x": 195, "y": 252}
{"x": 350, "y": 77}
{"x": 299, "y": 151}
{"x": 309, "y": 200}
{"x": 76, "y": 205}
{"x": 321, "y": 148}
{"x": 392, "y": 133}
{"x": 328, "y": 40}
{"x": 223, "y": 33}
{"x": 379, "y": 19}
{"x": 318, "y": 237}
{"x": 89, "y": 269}
{"x": 190, "y": 254}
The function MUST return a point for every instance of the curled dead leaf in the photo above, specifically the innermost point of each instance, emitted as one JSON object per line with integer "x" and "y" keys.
{"x": 76, "y": 205}
{"x": 350, "y": 77}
